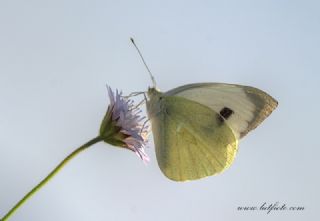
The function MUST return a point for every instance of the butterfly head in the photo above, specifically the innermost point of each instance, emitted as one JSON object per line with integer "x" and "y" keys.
{"x": 153, "y": 93}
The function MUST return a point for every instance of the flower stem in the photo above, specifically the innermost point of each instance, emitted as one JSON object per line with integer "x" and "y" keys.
{"x": 50, "y": 175}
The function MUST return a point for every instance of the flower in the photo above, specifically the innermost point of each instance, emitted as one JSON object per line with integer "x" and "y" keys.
{"x": 123, "y": 126}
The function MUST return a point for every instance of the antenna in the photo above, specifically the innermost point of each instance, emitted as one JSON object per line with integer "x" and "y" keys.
{"x": 145, "y": 64}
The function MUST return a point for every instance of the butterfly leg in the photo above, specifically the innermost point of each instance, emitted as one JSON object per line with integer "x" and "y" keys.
{"x": 134, "y": 94}
{"x": 140, "y": 103}
{"x": 144, "y": 124}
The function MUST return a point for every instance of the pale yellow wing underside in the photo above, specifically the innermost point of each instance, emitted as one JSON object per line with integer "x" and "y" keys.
{"x": 190, "y": 140}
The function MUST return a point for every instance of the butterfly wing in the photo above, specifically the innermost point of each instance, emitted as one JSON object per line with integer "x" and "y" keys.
{"x": 243, "y": 107}
{"x": 191, "y": 141}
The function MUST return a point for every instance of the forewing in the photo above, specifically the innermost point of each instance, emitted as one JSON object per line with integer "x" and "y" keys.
{"x": 190, "y": 140}
{"x": 243, "y": 107}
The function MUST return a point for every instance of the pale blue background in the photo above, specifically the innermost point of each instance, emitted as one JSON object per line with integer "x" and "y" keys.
{"x": 57, "y": 56}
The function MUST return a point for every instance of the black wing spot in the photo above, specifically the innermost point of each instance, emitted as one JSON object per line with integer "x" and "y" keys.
{"x": 224, "y": 114}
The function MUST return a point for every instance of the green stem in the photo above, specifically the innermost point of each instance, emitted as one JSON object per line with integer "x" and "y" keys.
{"x": 50, "y": 175}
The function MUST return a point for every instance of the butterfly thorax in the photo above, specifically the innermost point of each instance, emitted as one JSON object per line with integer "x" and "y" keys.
{"x": 154, "y": 101}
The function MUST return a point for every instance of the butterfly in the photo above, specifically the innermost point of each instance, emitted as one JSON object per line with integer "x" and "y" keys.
{"x": 196, "y": 127}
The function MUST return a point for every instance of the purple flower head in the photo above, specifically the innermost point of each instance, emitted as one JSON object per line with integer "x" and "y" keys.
{"x": 123, "y": 125}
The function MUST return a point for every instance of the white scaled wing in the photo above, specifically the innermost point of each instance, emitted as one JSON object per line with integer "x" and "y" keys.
{"x": 243, "y": 108}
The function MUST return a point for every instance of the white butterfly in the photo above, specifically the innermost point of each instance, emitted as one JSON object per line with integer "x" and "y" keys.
{"x": 196, "y": 127}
